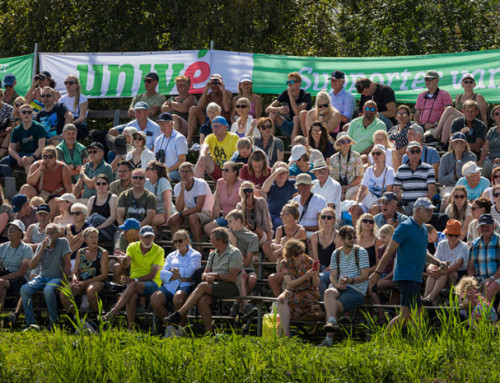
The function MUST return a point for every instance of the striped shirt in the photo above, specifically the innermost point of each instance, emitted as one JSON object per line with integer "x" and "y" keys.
{"x": 486, "y": 257}
{"x": 348, "y": 267}
{"x": 414, "y": 184}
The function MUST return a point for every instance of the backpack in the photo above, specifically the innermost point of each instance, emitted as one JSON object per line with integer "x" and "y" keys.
{"x": 356, "y": 257}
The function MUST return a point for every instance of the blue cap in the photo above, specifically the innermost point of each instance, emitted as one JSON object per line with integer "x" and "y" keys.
{"x": 459, "y": 136}
{"x": 43, "y": 209}
{"x": 146, "y": 230}
{"x": 129, "y": 224}
{"x": 485, "y": 219}
{"x": 141, "y": 105}
{"x": 165, "y": 117}
{"x": 18, "y": 202}
{"x": 219, "y": 120}
{"x": 9, "y": 79}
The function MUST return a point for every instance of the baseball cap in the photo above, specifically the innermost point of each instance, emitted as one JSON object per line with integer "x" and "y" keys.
{"x": 165, "y": 116}
{"x": 9, "y": 79}
{"x": 68, "y": 197}
{"x": 471, "y": 168}
{"x": 337, "y": 74}
{"x": 485, "y": 219}
{"x": 153, "y": 76}
{"x": 129, "y": 224}
{"x": 297, "y": 152}
{"x": 219, "y": 120}
{"x": 468, "y": 75}
{"x": 425, "y": 203}
{"x": 432, "y": 74}
{"x": 17, "y": 223}
{"x": 96, "y": 145}
{"x": 18, "y": 202}
{"x": 389, "y": 196}
{"x": 43, "y": 209}
{"x": 141, "y": 105}
{"x": 146, "y": 230}
{"x": 458, "y": 136}
{"x": 216, "y": 76}
{"x": 44, "y": 73}
{"x": 245, "y": 78}
{"x": 413, "y": 144}
{"x": 303, "y": 178}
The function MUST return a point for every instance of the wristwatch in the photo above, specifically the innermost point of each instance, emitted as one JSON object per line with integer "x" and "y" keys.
{"x": 136, "y": 280}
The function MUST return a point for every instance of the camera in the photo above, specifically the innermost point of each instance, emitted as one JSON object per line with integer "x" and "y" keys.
{"x": 160, "y": 156}
{"x": 343, "y": 181}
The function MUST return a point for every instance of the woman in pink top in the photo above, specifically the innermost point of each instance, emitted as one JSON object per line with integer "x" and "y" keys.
{"x": 226, "y": 195}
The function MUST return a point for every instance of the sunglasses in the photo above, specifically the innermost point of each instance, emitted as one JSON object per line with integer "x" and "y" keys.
{"x": 459, "y": 196}
{"x": 323, "y": 105}
{"x": 415, "y": 151}
{"x": 496, "y": 177}
{"x": 18, "y": 105}
{"x": 328, "y": 217}
{"x": 138, "y": 177}
{"x": 497, "y": 114}
{"x": 452, "y": 235}
{"x": 290, "y": 82}
{"x": 343, "y": 142}
{"x": 266, "y": 127}
{"x": 370, "y": 221}
{"x": 402, "y": 114}
{"x": 26, "y": 112}
{"x": 9, "y": 86}
{"x": 430, "y": 79}
{"x": 69, "y": 83}
{"x": 370, "y": 109}
{"x": 496, "y": 195}
{"x": 177, "y": 241}
{"x": 76, "y": 213}
{"x": 241, "y": 106}
{"x": 137, "y": 138}
{"x": 101, "y": 183}
{"x": 468, "y": 82}
{"x": 46, "y": 95}
{"x": 248, "y": 190}
{"x": 227, "y": 170}
{"x": 316, "y": 131}
{"x": 48, "y": 156}
{"x": 376, "y": 153}
{"x": 92, "y": 151}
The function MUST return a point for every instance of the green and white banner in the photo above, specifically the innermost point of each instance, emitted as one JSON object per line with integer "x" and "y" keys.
{"x": 22, "y": 68}
{"x": 120, "y": 74}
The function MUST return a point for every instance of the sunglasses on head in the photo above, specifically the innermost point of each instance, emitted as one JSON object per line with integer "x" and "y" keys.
{"x": 76, "y": 213}
{"x": 328, "y": 217}
{"x": 138, "y": 177}
{"x": 48, "y": 156}
{"x": 241, "y": 106}
{"x": 69, "y": 83}
{"x": 247, "y": 190}
{"x": 323, "y": 105}
{"x": 26, "y": 112}
{"x": 370, "y": 221}
{"x": 46, "y": 95}
{"x": 290, "y": 82}
{"x": 266, "y": 127}
{"x": 415, "y": 151}
{"x": 370, "y": 109}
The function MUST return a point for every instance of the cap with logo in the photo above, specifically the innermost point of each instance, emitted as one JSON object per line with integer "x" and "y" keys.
{"x": 146, "y": 230}
{"x": 129, "y": 224}
{"x": 152, "y": 76}
{"x": 141, "y": 105}
{"x": 337, "y": 75}
{"x": 18, "y": 202}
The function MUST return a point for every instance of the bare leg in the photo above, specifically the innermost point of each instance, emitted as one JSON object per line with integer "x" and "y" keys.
{"x": 196, "y": 117}
{"x": 284, "y": 311}
{"x": 196, "y": 228}
{"x": 131, "y": 310}
{"x": 175, "y": 222}
{"x": 304, "y": 127}
{"x": 132, "y": 289}
{"x": 179, "y": 299}
{"x": 204, "y": 165}
{"x": 204, "y": 288}
{"x": 93, "y": 294}
{"x": 205, "y": 312}
{"x": 275, "y": 281}
{"x": 332, "y": 305}
{"x": 429, "y": 285}
{"x": 209, "y": 227}
{"x": 158, "y": 302}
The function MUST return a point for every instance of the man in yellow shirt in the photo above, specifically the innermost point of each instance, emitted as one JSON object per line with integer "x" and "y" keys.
{"x": 145, "y": 259}
{"x": 216, "y": 150}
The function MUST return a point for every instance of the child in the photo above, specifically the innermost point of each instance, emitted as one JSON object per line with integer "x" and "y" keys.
{"x": 385, "y": 282}
{"x": 434, "y": 238}
{"x": 469, "y": 296}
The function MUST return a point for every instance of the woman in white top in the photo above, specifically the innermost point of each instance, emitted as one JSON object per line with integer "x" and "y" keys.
{"x": 323, "y": 112}
{"x": 392, "y": 158}
{"x": 77, "y": 104}
{"x": 244, "y": 125}
{"x": 377, "y": 179}
{"x": 140, "y": 156}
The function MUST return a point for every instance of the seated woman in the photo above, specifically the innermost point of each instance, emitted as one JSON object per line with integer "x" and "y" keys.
{"x": 490, "y": 153}
{"x": 301, "y": 296}
{"x": 77, "y": 104}
{"x": 495, "y": 180}
{"x": 450, "y": 168}
{"x": 177, "y": 277}
{"x": 323, "y": 112}
{"x": 323, "y": 243}
{"x": 140, "y": 156}
{"x": 347, "y": 167}
{"x": 378, "y": 179}
{"x": 495, "y": 207}
{"x": 272, "y": 146}
{"x": 398, "y": 134}
{"x": 472, "y": 180}
{"x": 460, "y": 209}
{"x": 102, "y": 208}
{"x": 244, "y": 148}
{"x": 453, "y": 251}
{"x": 319, "y": 139}
{"x": 245, "y": 89}
{"x": 256, "y": 213}
{"x": 48, "y": 178}
{"x": 450, "y": 113}
{"x": 89, "y": 273}
{"x": 74, "y": 231}
{"x": 157, "y": 183}
{"x": 392, "y": 158}
{"x": 64, "y": 203}
{"x": 279, "y": 189}
{"x": 367, "y": 237}
{"x": 289, "y": 230}
{"x": 256, "y": 170}
{"x": 226, "y": 195}
{"x": 244, "y": 125}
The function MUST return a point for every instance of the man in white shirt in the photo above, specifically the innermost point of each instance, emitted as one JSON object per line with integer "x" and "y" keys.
{"x": 326, "y": 186}
{"x": 310, "y": 205}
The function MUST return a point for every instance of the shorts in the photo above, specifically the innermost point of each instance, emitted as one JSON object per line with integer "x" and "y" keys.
{"x": 205, "y": 217}
{"x": 410, "y": 293}
{"x": 221, "y": 290}
{"x": 217, "y": 173}
{"x": 150, "y": 288}
{"x": 286, "y": 128}
{"x": 16, "y": 284}
{"x": 350, "y": 298}
{"x": 221, "y": 221}
{"x": 168, "y": 294}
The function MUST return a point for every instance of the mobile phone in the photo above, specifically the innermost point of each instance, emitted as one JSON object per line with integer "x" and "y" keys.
{"x": 316, "y": 265}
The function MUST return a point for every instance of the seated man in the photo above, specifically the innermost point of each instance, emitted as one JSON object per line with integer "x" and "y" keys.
{"x": 285, "y": 110}
{"x": 23, "y": 210}
{"x": 389, "y": 214}
{"x": 342, "y": 100}
{"x": 144, "y": 124}
{"x": 177, "y": 277}
{"x": 36, "y": 231}
{"x": 326, "y": 186}
{"x": 414, "y": 179}
{"x": 15, "y": 257}
{"x": 151, "y": 97}
{"x": 53, "y": 116}
{"x": 361, "y": 129}
{"x": 194, "y": 201}
{"x": 124, "y": 181}
{"x": 136, "y": 202}
{"x": 214, "y": 91}
{"x": 26, "y": 140}
{"x": 310, "y": 204}
{"x": 474, "y": 129}
{"x": 71, "y": 152}
{"x": 221, "y": 279}
{"x": 384, "y": 97}
{"x": 90, "y": 171}
{"x": 53, "y": 254}
{"x": 429, "y": 155}
{"x": 217, "y": 149}
{"x": 145, "y": 259}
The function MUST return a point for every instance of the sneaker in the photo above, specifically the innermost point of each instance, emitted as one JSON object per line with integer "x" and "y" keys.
{"x": 325, "y": 343}
{"x": 169, "y": 332}
{"x": 250, "y": 311}
{"x": 89, "y": 328}
{"x": 235, "y": 309}
{"x": 85, "y": 306}
{"x": 195, "y": 147}
{"x": 174, "y": 318}
{"x": 10, "y": 319}
{"x": 331, "y": 325}
{"x": 31, "y": 327}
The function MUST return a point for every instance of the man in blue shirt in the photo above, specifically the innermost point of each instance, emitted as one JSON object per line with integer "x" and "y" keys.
{"x": 342, "y": 100}
{"x": 410, "y": 243}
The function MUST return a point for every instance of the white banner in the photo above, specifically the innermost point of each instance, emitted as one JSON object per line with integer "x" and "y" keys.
{"x": 112, "y": 75}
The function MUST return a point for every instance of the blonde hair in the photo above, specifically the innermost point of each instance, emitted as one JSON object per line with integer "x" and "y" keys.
{"x": 327, "y": 209}
{"x": 35, "y": 201}
{"x": 387, "y": 144}
{"x": 386, "y": 230}
{"x": 90, "y": 230}
{"x": 466, "y": 284}
{"x": 76, "y": 103}
{"x": 374, "y": 231}
{"x": 292, "y": 208}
